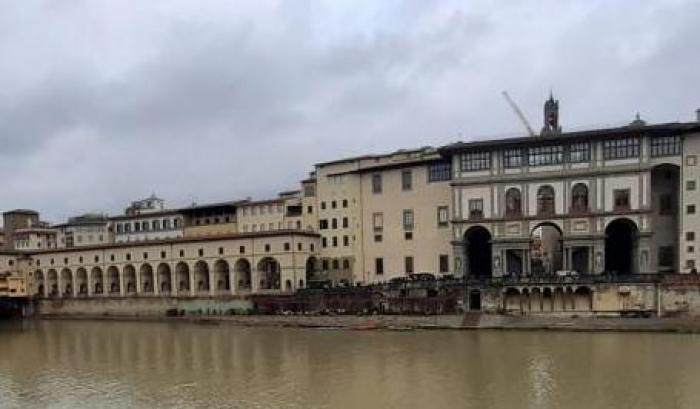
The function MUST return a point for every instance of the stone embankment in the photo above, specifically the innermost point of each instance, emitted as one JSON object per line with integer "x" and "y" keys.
{"x": 436, "y": 322}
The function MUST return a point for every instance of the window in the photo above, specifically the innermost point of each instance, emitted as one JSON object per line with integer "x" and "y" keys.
{"x": 579, "y": 152}
{"x": 666, "y": 256}
{"x": 513, "y": 158}
{"x": 378, "y": 221}
{"x": 182, "y": 253}
{"x": 241, "y": 249}
{"x": 156, "y": 224}
{"x": 334, "y": 223}
{"x": 309, "y": 190}
{"x": 444, "y": 263}
{"x": 408, "y": 235}
{"x": 324, "y": 242}
{"x": 408, "y": 219}
{"x": 665, "y": 146}
{"x": 299, "y": 247}
{"x": 162, "y": 254}
{"x": 311, "y": 247}
{"x": 324, "y": 264}
{"x": 145, "y": 226}
{"x": 200, "y": 252}
{"x": 323, "y": 205}
{"x": 472, "y": 161}
{"x": 476, "y": 208}
{"x": 287, "y": 247}
{"x": 691, "y": 160}
{"x": 579, "y": 197}
{"x": 439, "y": 172}
{"x": 690, "y": 209}
{"x": 333, "y": 204}
{"x": 309, "y": 209}
{"x": 442, "y": 216}
{"x": 408, "y": 264}
{"x": 546, "y": 155}
{"x": 119, "y": 228}
{"x": 621, "y": 148}
{"x": 690, "y": 236}
{"x": 145, "y": 256}
{"x": 346, "y": 241}
{"x": 137, "y": 226}
{"x": 335, "y": 241}
{"x": 346, "y": 264}
{"x": 545, "y": 200}
{"x": 690, "y": 249}
{"x": 622, "y": 199}
{"x": 128, "y": 256}
{"x": 513, "y": 202}
{"x": 221, "y": 250}
{"x": 690, "y": 185}
{"x": 97, "y": 260}
{"x": 323, "y": 224}
{"x": 345, "y": 203}
{"x": 406, "y": 180}
{"x": 377, "y": 238}
{"x": 690, "y": 264}
{"x": 267, "y": 248}
{"x": 111, "y": 258}
{"x": 335, "y": 264}
{"x": 378, "y": 266}
{"x": 376, "y": 183}
{"x": 176, "y": 223}
{"x": 166, "y": 224}
{"x": 346, "y": 222}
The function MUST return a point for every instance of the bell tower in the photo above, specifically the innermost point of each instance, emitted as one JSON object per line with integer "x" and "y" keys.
{"x": 551, "y": 116}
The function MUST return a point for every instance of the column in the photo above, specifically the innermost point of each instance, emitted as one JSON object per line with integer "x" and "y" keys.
{"x": 232, "y": 284}
{"x": 139, "y": 290}
{"x": 193, "y": 290}
{"x": 89, "y": 284}
{"x": 122, "y": 290}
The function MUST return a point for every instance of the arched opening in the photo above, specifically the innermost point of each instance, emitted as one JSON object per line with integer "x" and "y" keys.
{"x": 243, "y": 274}
{"x": 288, "y": 285}
{"x": 146, "y": 273}
{"x": 558, "y": 303}
{"x": 478, "y": 252}
{"x": 545, "y": 200}
{"x": 81, "y": 281}
{"x": 665, "y": 201}
{"x": 513, "y": 202}
{"x": 221, "y": 275}
{"x": 536, "y": 300}
{"x": 67, "y": 282}
{"x": 52, "y": 282}
{"x": 201, "y": 276}
{"x": 182, "y": 273}
{"x": 546, "y": 250}
{"x": 620, "y": 247}
{"x": 130, "y": 279}
{"x": 475, "y": 300}
{"x": 97, "y": 280}
{"x": 511, "y": 300}
{"x": 113, "y": 280}
{"x": 40, "y": 285}
{"x": 583, "y": 299}
{"x": 579, "y": 198}
{"x": 269, "y": 273}
{"x": 164, "y": 278}
{"x": 312, "y": 269}
{"x": 547, "y": 301}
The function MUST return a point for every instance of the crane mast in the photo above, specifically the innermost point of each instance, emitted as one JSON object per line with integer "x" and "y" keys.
{"x": 519, "y": 113}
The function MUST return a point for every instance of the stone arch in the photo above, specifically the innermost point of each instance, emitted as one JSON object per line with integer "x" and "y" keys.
{"x": 147, "y": 282}
{"x": 477, "y": 244}
{"x": 511, "y": 300}
{"x": 546, "y": 249}
{"x": 583, "y": 299}
{"x": 182, "y": 276}
{"x": 164, "y": 278}
{"x": 113, "y": 282}
{"x": 129, "y": 280}
{"x": 579, "y": 198}
{"x": 81, "y": 281}
{"x": 269, "y": 273}
{"x": 312, "y": 269}
{"x": 514, "y": 203}
{"x": 67, "y": 282}
{"x": 621, "y": 241}
{"x": 52, "y": 283}
{"x": 558, "y": 302}
{"x": 221, "y": 275}
{"x": 97, "y": 280}
{"x": 547, "y": 300}
{"x": 201, "y": 276}
{"x": 243, "y": 274}
{"x": 40, "y": 285}
{"x": 546, "y": 204}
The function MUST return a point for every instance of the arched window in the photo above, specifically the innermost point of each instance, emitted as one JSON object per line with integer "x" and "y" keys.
{"x": 579, "y": 198}
{"x": 545, "y": 200}
{"x": 513, "y": 202}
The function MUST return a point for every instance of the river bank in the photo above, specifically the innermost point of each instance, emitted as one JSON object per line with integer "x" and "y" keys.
{"x": 410, "y": 322}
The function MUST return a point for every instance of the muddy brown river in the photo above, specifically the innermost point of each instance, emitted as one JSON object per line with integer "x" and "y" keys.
{"x": 93, "y": 364}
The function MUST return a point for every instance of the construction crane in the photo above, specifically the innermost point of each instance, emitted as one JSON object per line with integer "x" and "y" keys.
{"x": 519, "y": 113}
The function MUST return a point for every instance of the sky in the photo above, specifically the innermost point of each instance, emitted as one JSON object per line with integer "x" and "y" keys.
{"x": 105, "y": 102}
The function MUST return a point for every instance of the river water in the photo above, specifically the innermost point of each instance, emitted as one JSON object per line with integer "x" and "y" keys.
{"x": 93, "y": 364}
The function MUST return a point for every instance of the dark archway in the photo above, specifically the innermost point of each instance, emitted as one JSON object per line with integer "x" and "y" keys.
{"x": 478, "y": 252}
{"x": 52, "y": 283}
{"x": 97, "y": 280}
{"x": 221, "y": 275}
{"x": 621, "y": 247}
{"x": 113, "y": 280}
{"x": 129, "y": 273}
{"x": 312, "y": 270}
{"x": 475, "y": 300}
{"x": 201, "y": 276}
{"x": 243, "y": 274}
{"x": 146, "y": 273}
{"x": 82, "y": 281}
{"x": 67, "y": 282}
{"x": 269, "y": 274}
{"x": 546, "y": 250}
{"x": 182, "y": 274}
{"x": 163, "y": 271}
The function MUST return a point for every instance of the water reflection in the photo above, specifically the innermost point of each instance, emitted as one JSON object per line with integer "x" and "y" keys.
{"x": 64, "y": 364}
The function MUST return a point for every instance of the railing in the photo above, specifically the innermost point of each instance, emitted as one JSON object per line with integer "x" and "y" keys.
{"x": 568, "y": 279}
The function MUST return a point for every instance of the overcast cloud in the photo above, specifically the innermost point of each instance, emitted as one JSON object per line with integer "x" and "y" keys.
{"x": 103, "y": 102}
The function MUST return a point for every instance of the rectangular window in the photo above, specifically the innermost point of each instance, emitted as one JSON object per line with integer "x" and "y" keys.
{"x": 513, "y": 158}
{"x": 346, "y": 241}
{"x": 335, "y": 241}
{"x": 622, "y": 199}
{"x": 323, "y": 224}
{"x": 378, "y": 266}
{"x": 346, "y": 223}
{"x": 406, "y": 180}
{"x": 408, "y": 219}
{"x": 690, "y": 209}
{"x": 378, "y": 221}
{"x": 334, "y": 223}
{"x": 408, "y": 235}
{"x": 377, "y": 238}
{"x": 546, "y": 155}
{"x": 472, "y": 161}
{"x": 442, "y": 216}
{"x": 444, "y": 261}
{"x": 621, "y": 148}
{"x": 690, "y": 236}
{"x": 476, "y": 209}
{"x": 439, "y": 172}
{"x": 309, "y": 190}
{"x": 324, "y": 242}
{"x": 690, "y": 264}
{"x": 345, "y": 203}
{"x": 376, "y": 183}
{"x": 323, "y": 205}
{"x": 579, "y": 152}
{"x": 690, "y": 185}
{"x": 665, "y": 146}
{"x": 408, "y": 264}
